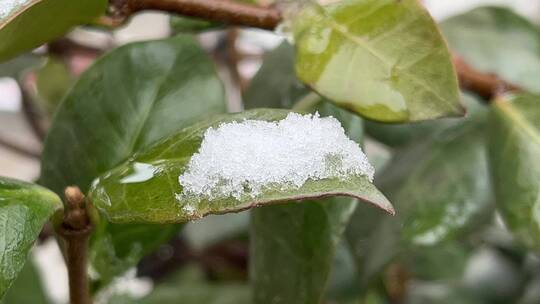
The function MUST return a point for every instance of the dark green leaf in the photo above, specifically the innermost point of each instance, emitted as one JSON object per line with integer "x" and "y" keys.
{"x": 385, "y": 60}
{"x": 128, "y": 99}
{"x": 123, "y": 194}
{"x": 514, "y": 146}
{"x": 497, "y": 40}
{"x": 27, "y": 288}
{"x": 441, "y": 189}
{"x": 34, "y": 22}
{"x": 24, "y": 209}
{"x": 293, "y": 247}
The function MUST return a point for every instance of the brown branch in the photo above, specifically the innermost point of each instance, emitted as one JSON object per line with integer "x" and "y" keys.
{"x": 486, "y": 85}
{"x": 228, "y": 12}
{"x": 75, "y": 230}
{"x": 233, "y": 13}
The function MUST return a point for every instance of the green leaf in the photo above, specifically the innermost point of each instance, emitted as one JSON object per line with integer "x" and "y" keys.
{"x": 127, "y": 100}
{"x": 478, "y": 35}
{"x": 385, "y": 60}
{"x": 440, "y": 185}
{"x": 514, "y": 150}
{"x": 122, "y": 194}
{"x": 24, "y": 209}
{"x": 33, "y": 22}
{"x": 399, "y": 135}
{"x": 441, "y": 190}
{"x": 305, "y": 256}
{"x": 293, "y": 247}
{"x": 27, "y": 288}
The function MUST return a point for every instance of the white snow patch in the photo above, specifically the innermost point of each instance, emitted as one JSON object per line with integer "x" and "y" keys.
{"x": 9, "y": 6}
{"x": 243, "y": 158}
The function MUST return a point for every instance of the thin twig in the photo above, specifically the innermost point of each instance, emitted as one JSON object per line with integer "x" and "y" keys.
{"x": 486, "y": 85}
{"x": 228, "y": 12}
{"x": 233, "y": 13}
{"x": 233, "y": 59}
{"x": 75, "y": 230}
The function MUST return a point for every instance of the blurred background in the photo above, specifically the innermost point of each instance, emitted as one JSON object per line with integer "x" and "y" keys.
{"x": 26, "y": 107}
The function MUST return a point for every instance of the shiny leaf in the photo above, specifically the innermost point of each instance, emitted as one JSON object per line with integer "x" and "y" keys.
{"x": 514, "y": 146}
{"x": 477, "y": 36}
{"x": 24, "y": 209}
{"x": 127, "y": 100}
{"x": 293, "y": 246}
{"x": 34, "y": 22}
{"x": 385, "y": 60}
{"x": 123, "y": 194}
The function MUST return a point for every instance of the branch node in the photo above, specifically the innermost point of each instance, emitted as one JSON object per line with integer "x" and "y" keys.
{"x": 75, "y": 230}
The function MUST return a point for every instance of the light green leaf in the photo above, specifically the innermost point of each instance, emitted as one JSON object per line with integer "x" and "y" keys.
{"x": 385, "y": 60}
{"x": 478, "y": 35}
{"x": 24, "y": 209}
{"x": 514, "y": 150}
{"x": 27, "y": 24}
{"x": 127, "y": 100}
{"x": 123, "y": 194}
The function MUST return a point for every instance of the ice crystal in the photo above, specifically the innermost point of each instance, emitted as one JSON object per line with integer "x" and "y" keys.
{"x": 244, "y": 158}
{"x": 9, "y": 6}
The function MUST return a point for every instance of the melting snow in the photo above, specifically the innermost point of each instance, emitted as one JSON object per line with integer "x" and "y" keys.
{"x": 8, "y": 6}
{"x": 244, "y": 158}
